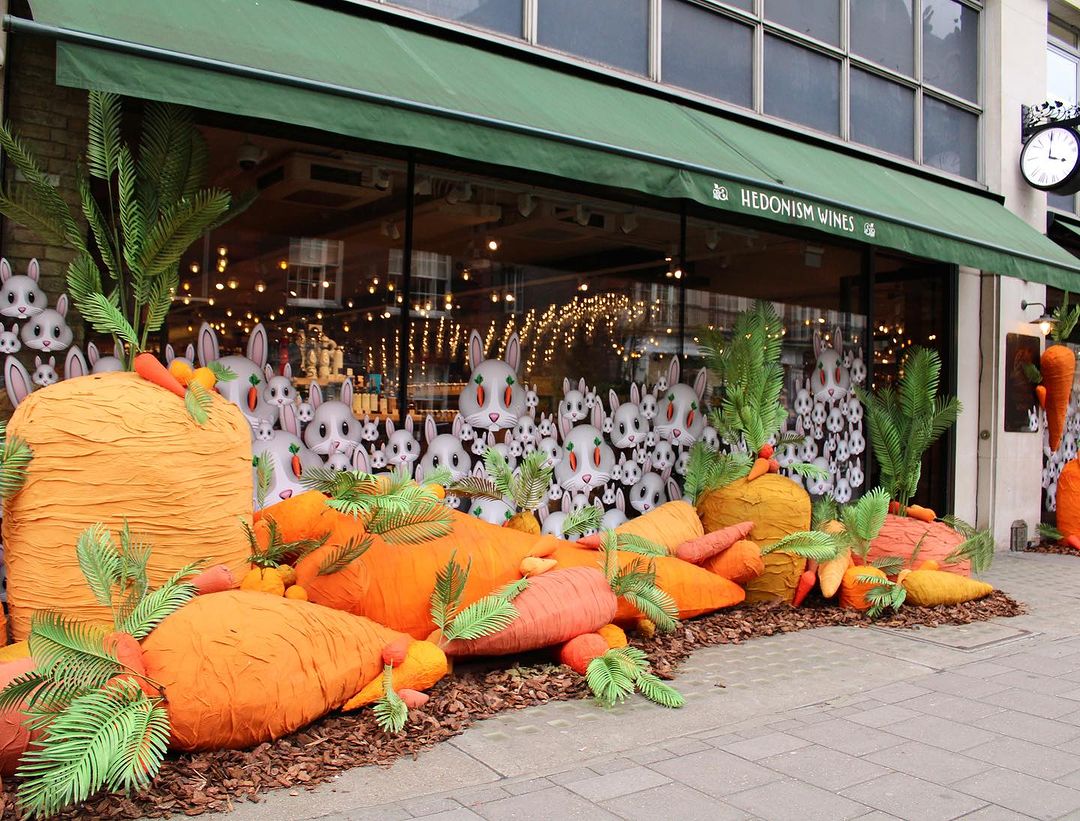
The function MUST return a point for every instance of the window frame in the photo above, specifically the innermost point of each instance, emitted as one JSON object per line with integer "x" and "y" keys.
{"x": 1071, "y": 52}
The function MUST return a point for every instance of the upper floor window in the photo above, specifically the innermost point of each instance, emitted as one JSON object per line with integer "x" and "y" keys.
{"x": 899, "y": 76}
{"x": 1062, "y": 72}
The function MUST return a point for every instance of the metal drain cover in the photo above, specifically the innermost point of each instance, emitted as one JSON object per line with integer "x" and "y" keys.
{"x": 967, "y": 637}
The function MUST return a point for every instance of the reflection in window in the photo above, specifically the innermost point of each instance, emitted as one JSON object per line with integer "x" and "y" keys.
{"x": 588, "y": 287}
{"x": 498, "y": 15}
{"x": 802, "y": 85}
{"x": 707, "y": 52}
{"x": 951, "y": 47}
{"x": 816, "y": 18}
{"x": 882, "y": 31}
{"x": 1064, "y": 202}
{"x": 1060, "y": 77}
{"x": 817, "y": 291}
{"x": 950, "y": 138}
{"x": 882, "y": 113}
{"x": 573, "y": 26}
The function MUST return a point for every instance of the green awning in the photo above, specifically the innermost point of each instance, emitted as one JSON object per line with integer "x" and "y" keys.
{"x": 1067, "y": 230}
{"x": 341, "y": 72}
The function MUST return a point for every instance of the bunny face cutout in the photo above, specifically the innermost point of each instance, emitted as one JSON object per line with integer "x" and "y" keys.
{"x": 444, "y": 450}
{"x": 493, "y": 398}
{"x": 628, "y": 425}
{"x": 278, "y": 390}
{"x": 20, "y": 296}
{"x": 588, "y": 461}
{"x": 45, "y": 372}
{"x": 246, "y": 390}
{"x": 48, "y": 330}
{"x": 334, "y": 423}
{"x": 573, "y": 406}
{"x": 9, "y": 340}
{"x": 830, "y": 379}
{"x": 102, "y": 364}
{"x": 680, "y": 417}
{"x": 289, "y": 458}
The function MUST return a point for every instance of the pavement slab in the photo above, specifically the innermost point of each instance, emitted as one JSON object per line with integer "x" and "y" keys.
{"x": 974, "y": 721}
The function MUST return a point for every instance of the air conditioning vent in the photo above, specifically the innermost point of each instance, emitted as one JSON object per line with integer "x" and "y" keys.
{"x": 319, "y": 182}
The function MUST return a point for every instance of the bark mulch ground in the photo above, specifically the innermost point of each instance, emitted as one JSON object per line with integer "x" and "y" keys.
{"x": 212, "y": 782}
{"x": 1051, "y": 547}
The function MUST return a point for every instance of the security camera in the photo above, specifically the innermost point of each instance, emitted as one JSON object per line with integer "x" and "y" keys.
{"x": 248, "y": 155}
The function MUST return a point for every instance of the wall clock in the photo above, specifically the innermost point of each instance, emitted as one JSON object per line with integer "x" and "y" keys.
{"x": 1050, "y": 160}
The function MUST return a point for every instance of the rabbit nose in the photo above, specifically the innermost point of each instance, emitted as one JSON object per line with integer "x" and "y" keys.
{"x": 285, "y": 494}
{"x": 587, "y": 478}
{"x": 494, "y": 417}
{"x": 45, "y": 343}
{"x": 676, "y": 433}
{"x": 22, "y": 309}
{"x": 631, "y": 437}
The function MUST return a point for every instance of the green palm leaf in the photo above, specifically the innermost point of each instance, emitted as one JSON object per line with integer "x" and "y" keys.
{"x": 99, "y": 561}
{"x": 15, "y": 457}
{"x": 449, "y": 587}
{"x": 499, "y": 471}
{"x": 161, "y": 603}
{"x": 343, "y": 556}
{"x": 610, "y": 678}
{"x": 391, "y": 712}
{"x": 810, "y": 544}
{"x": 485, "y": 617}
{"x": 639, "y": 544}
{"x": 70, "y": 651}
{"x": 531, "y": 484}
{"x": 106, "y": 318}
{"x": 177, "y": 227}
{"x": 103, "y": 128}
{"x": 658, "y": 692}
{"x": 476, "y": 487}
{"x": 197, "y": 401}
{"x": 582, "y": 521}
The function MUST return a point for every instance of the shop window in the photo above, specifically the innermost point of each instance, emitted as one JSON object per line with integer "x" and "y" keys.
{"x": 707, "y": 52}
{"x": 497, "y": 15}
{"x": 818, "y": 292}
{"x": 951, "y": 47}
{"x": 802, "y": 85}
{"x": 882, "y": 31}
{"x": 950, "y": 138}
{"x": 817, "y": 18}
{"x": 882, "y": 113}
{"x": 573, "y": 27}
{"x": 586, "y": 286}
{"x": 1060, "y": 76}
{"x": 314, "y": 261}
{"x": 1066, "y": 202}
{"x": 912, "y": 308}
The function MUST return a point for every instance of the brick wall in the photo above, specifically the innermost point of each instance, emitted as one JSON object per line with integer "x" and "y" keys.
{"x": 51, "y": 120}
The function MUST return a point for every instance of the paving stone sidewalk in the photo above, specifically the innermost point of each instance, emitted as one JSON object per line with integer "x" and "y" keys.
{"x": 979, "y": 721}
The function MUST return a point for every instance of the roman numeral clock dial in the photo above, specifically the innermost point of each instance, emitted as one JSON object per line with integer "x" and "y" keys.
{"x": 1050, "y": 160}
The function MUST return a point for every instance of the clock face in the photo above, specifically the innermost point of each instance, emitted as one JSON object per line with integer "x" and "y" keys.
{"x": 1050, "y": 157}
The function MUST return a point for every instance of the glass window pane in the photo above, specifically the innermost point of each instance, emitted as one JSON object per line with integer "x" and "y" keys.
{"x": 817, "y": 18}
{"x": 1060, "y": 77}
{"x": 882, "y": 31}
{"x": 802, "y": 85}
{"x": 745, "y": 5}
{"x": 707, "y": 52}
{"x": 572, "y": 26}
{"x": 951, "y": 47}
{"x": 950, "y": 138}
{"x": 882, "y": 114}
{"x": 497, "y": 15}
{"x": 1065, "y": 203}
{"x": 1061, "y": 32}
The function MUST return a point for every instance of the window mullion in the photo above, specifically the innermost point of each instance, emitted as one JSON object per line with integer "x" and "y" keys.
{"x": 916, "y": 13}
{"x": 529, "y": 20}
{"x": 655, "y": 40}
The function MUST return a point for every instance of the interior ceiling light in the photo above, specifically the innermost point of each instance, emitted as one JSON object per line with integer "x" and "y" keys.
{"x": 582, "y": 215}
{"x": 462, "y": 192}
{"x": 492, "y": 244}
{"x": 220, "y": 286}
{"x": 423, "y": 187}
{"x": 629, "y": 223}
{"x": 526, "y": 204}
{"x": 234, "y": 283}
{"x": 260, "y": 286}
{"x": 712, "y": 238}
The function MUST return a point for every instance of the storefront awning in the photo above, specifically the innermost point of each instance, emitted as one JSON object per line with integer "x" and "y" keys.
{"x": 341, "y": 72}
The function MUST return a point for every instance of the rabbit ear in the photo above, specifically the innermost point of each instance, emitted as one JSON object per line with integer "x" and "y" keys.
{"x": 581, "y": 385}
{"x": 268, "y": 372}
{"x": 699, "y": 384}
{"x": 431, "y": 430}
{"x": 597, "y": 415}
{"x": 666, "y": 474}
{"x": 620, "y": 500}
{"x": 347, "y": 394}
{"x": 458, "y": 425}
{"x": 5, "y": 270}
{"x": 18, "y": 381}
{"x": 52, "y": 361}
{"x": 208, "y": 345}
{"x": 33, "y": 270}
{"x": 37, "y": 361}
{"x": 817, "y": 343}
{"x": 513, "y": 352}
{"x": 170, "y": 354}
{"x": 288, "y": 420}
{"x": 542, "y": 513}
{"x": 647, "y": 467}
{"x": 673, "y": 371}
{"x": 673, "y": 492}
{"x": 92, "y": 353}
{"x": 409, "y": 423}
{"x": 62, "y": 305}
{"x": 360, "y": 461}
{"x": 565, "y": 426}
{"x": 258, "y": 347}
{"x": 613, "y": 400}
{"x": 189, "y": 352}
{"x": 75, "y": 363}
{"x": 565, "y": 385}
{"x": 838, "y": 340}
{"x": 287, "y": 371}
{"x": 476, "y": 350}
{"x": 315, "y": 395}
{"x": 566, "y": 503}
{"x": 390, "y": 426}
{"x": 635, "y": 394}
{"x": 599, "y": 505}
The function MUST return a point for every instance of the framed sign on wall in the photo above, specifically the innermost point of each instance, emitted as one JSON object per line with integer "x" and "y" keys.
{"x": 1021, "y": 405}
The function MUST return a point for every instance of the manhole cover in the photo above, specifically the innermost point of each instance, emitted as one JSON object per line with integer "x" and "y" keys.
{"x": 969, "y": 637}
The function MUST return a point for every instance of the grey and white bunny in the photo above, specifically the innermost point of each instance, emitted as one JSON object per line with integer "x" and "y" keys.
{"x": 551, "y": 449}
{"x": 17, "y": 381}
{"x": 587, "y": 459}
{"x": 334, "y": 422}
{"x": 629, "y": 470}
{"x": 282, "y": 446}
{"x": 652, "y": 490}
{"x": 245, "y": 391}
{"x": 629, "y": 426}
{"x": 649, "y": 404}
{"x": 188, "y": 358}
{"x": 551, "y": 522}
{"x": 545, "y": 427}
{"x": 9, "y": 340}
{"x": 525, "y": 430}
{"x": 617, "y": 515}
{"x": 680, "y": 414}
{"x": 662, "y": 456}
{"x": 20, "y": 295}
{"x": 305, "y": 413}
{"x": 493, "y": 399}
{"x": 444, "y": 450}
{"x": 493, "y": 511}
{"x": 339, "y": 460}
{"x": 572, "y": 407}
{"x": 102, "y": 364}
{"x": 369, "y": 430}
{"x": 830, "y": 379}
{"x": 377, "y": 458}
{"x": 48, "y": 329}
{"x": 45, "y": 372}
{"x": 278, "y": 389}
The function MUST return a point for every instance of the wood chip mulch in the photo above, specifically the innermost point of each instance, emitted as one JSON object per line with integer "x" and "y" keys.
{"x": 193, "y": 784}
{"x": 1051, "y": 547}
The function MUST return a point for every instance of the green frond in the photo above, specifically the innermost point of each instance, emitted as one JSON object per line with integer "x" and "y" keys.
{"x": 439, "y": 476}
{"x": 344, "y": 555}
{"x": 264, "y": 476}
{"x": 810, "y": 544}
{"x": 978, "y": 549}
{"x": 70, "y": 651}
{"x": 197, "y": 401}
{"x": 658, "y": 691}
{"x": 106, "y": 318}
{"x": 158, "y": 301}
{"x": 609, "y": 555}
{"x": 476, "y": 487}
{"x": 222, "y": 373}
{"x": 450, "y": 584}
{"x": 178, "y": 225}
{"x": 158, "y": 604}
{"x": 965, "y": 529}
{"x": 639, "y": 544}
{"x": 530, "y": 486}
{"x": 391, "y": 712}
{"x": 164, "y": 128}
{"x": 481, "y": 618}
{"x": 884, "y": 595}
{"x": 581, "y": 521}
{"x": 808, "y": 471}
{"x": 655, "y": 605}
{"x": 112, "y": 738}
{"x": 1066, "y": 316}
{"x": 99, "y": 561}
{"x": 429, "y": 519}
{"x": 865, "y": 517}
{"x": 15, "y": 458}
{"x": 83, "y": 279}
{"x": 1048, "y": 532}
{"x": 514, "y": 589}
{"x": 20, "y": 689}
{"x": 102, "y": 238}
{"x": 1032, "y": 373}
{"x": 823, "y": 510}
{"x": 132, "y": 223}
{"x": 890, "y": 565}
{"x": 499, "y": 471}
{"x": 103, "y": 134}
{"x": 611, "y": 678}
